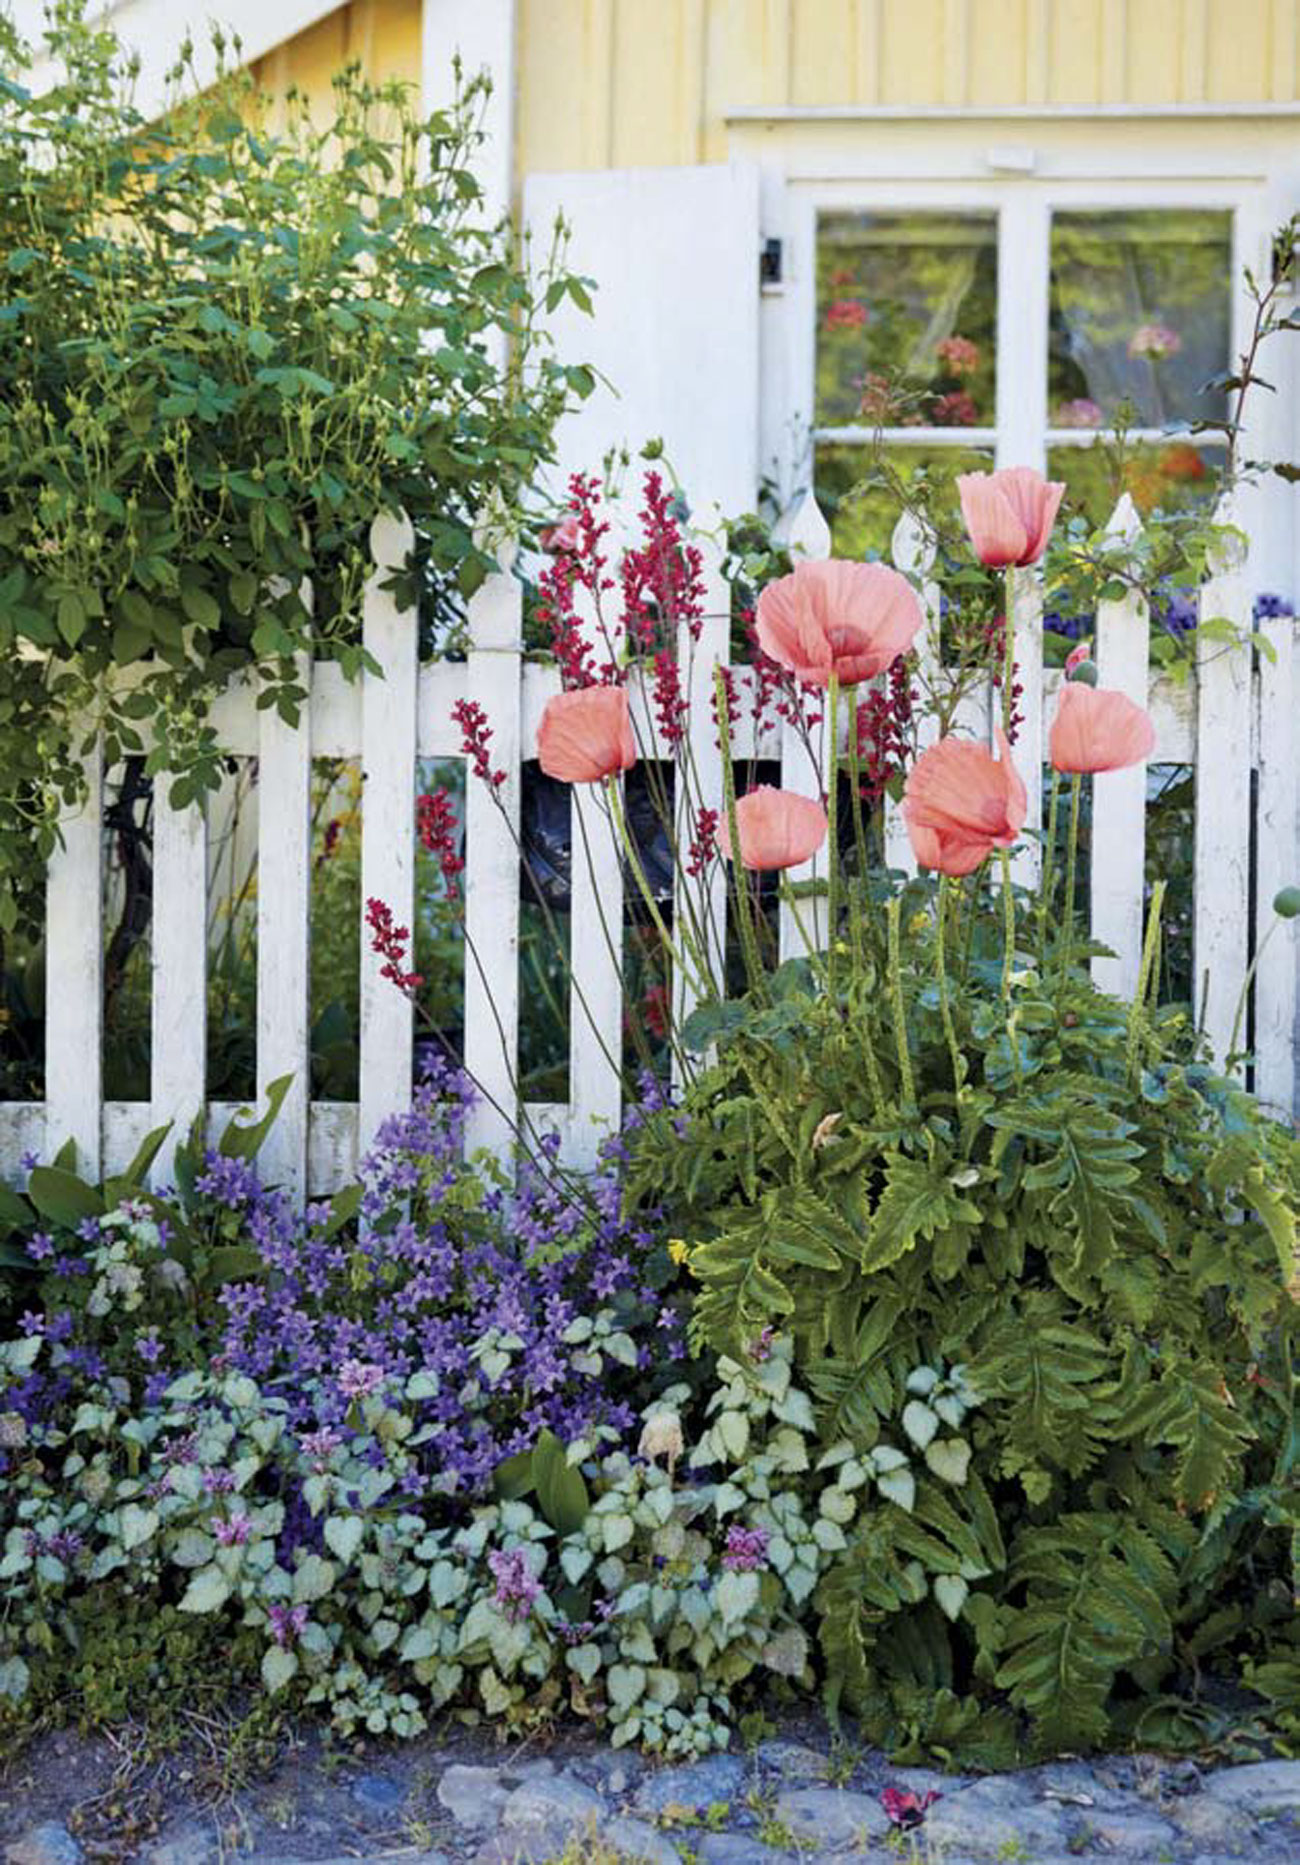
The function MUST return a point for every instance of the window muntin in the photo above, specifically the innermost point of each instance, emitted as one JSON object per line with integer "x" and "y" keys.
{"x": 1137, "y": 308}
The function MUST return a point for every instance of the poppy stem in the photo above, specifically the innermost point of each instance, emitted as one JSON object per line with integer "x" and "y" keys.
{"x": 1246, "y": 983}
{"x": 1009, "y": 646}
{"x": 906, "y": 1083}
{"x": 857, "y": 903}
{"x": 1008, "y": 923}
{"x": 789, "y": 899}
{"x": 945, "y": 1006}
{"x": 702, "y": 984}
{"x": 1137, "y": 1016}
{"x": 744, "y": 924}
{"x": 832, "y": 834}
{"x": 1049, "y": 860}
{"x": 1076, "y": 792}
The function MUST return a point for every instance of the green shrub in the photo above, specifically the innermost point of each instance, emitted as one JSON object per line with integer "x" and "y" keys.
{"x": 1057, "y": 1297}
{"x": 224, "y": 347}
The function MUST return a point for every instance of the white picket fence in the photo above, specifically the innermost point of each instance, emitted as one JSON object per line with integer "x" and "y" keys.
{"x": 1234, "y": 721}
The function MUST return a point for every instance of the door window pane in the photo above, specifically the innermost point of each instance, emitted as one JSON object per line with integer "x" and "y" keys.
{"x": 862, "y": 515}
{"x": 1168, "y": 476}
{"x": 907, "y": 299}
{"x": 1140, "y": 313}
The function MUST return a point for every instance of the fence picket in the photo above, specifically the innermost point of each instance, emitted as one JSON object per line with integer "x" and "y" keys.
{"x": 74, "y": 981}
{"x": 912, "y": 551}
{"x": 388, "y": 732}
{"x": 1276, "y": 867}
{"x": 806, "y": 767}
{"x": 1119, "y": 798}
{"x": 1229, "y": 723}
{"x": 283, "y": 932}
{"x": 179, "y": 970}
{"x": 1025, "y": 619}
{"x": 1221, "y": 885}
{"x": 701, "y": 903}
{"x": 492, "y": 854}
{"x": 595, "y": 947}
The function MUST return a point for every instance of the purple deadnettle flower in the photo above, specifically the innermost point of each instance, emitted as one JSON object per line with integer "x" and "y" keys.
{"x": 516, "y": 1586}
{"x": 287, "y": 1623}
{"x": 233, "y": 1533}
{"x": 746, "y": 1549}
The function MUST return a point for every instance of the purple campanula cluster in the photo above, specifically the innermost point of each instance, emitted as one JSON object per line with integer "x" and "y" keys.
{"x": 442, "y": 1258}
{"x": 440, "y": 1261}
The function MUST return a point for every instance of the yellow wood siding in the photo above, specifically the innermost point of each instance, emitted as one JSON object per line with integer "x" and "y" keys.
{"x": 383, "y": 35}
{"x": 617, "y": 82}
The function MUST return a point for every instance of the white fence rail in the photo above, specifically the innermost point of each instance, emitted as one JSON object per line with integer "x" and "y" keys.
{"x": 1235, "y": 721}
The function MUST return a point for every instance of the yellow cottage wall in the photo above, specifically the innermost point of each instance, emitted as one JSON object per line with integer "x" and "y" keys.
{"x": 621, "y": 82}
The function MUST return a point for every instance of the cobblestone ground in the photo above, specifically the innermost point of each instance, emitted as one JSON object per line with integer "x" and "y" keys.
{"x": 452, "y": 1802}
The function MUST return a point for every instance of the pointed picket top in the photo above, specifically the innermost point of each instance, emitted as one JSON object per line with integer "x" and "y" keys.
{"x": 494, "y": 532}
{"x": 392, "y": 539}
{"x": 1229, "y": 555}
{"x": 912, "y": 547}
{"x": 1125, "y": 522}
{"x": 804, "y": 531}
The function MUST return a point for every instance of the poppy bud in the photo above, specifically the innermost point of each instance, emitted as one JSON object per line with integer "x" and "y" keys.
{"x": 1287, "y": 903}
{"x": 1085, "y": 674}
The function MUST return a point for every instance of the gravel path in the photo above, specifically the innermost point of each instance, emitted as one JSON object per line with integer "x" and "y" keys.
{"x": 452, "y": 1801}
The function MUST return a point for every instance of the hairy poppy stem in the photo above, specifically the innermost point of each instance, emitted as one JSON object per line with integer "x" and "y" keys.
{"x": 832, "y": 832}
{"x": 907, "y": 1085}
{"x": 1076, "y": 793}
{"x": 1008, "y": 923}
{"x": 857, "y": 906}
{"x": 703, "y": 984}
{"x": 745, "y": 925}
{"x": 1246, "y": 983}
{"x": 945, "y": 1006}
{"x": 1049, "y": 860}
{"x": 1137, "y": 1016}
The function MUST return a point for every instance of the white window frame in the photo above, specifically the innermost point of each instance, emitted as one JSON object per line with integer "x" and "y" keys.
{"x": 813, "y": 162}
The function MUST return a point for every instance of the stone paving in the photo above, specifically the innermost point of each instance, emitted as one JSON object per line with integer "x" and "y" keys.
{"x": 788, "y": 1800}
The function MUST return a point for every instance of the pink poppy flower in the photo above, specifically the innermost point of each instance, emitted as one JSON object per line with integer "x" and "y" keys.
{"x": 777, "y": 828}
{"x": 1009, "y": 514}
{"x": 848, "y": 619}
{"x": 586, "y": 735}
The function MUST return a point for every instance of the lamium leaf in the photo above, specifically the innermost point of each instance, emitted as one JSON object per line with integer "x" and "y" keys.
{"x": 208, "y": 1590}
{"x": 278, "y": 1667}
{"x": 949, "y": 1459}
{"x": 920, "y": 1423}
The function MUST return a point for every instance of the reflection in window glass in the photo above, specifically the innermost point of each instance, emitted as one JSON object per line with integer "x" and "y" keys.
{"x": 911, "y": 299}
{"x": 1140, "y": 313}
{"x": 1169, "y": 476}
{"x": 862, "y": 514}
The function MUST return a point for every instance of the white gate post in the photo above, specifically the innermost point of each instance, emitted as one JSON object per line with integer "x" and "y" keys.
{"x": 1221, "y": 888}
{"x": 1277, "y": 866}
